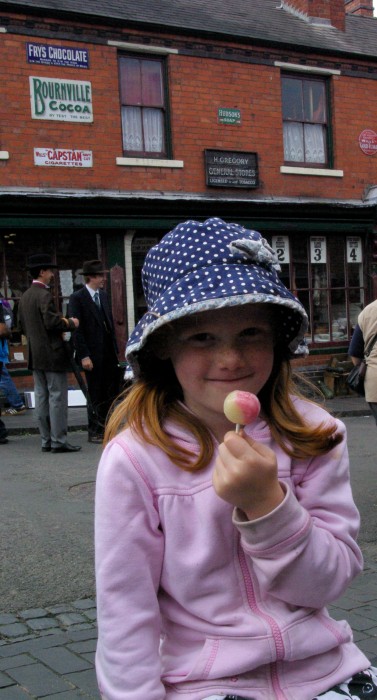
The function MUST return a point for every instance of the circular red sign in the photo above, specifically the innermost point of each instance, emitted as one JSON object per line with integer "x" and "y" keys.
{"x": 368, "y": 142}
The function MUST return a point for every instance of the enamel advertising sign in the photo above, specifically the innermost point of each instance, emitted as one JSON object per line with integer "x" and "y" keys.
{"x": 61, "y": 100}
{"x": 63, "y": 157}
{"x": 368, "y": 142}
{"x": 51, "y": 55}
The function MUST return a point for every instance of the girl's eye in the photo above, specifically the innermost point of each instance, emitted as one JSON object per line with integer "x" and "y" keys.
{"x": 198, "y": 338}
{"x": 250, "y": 332}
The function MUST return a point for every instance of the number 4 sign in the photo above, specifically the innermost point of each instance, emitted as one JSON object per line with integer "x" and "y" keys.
{"x": 354, "y": 250}
{"x": 318, "y": 250}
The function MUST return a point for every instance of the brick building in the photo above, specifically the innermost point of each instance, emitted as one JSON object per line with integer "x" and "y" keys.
{"x": 120, "y": 119}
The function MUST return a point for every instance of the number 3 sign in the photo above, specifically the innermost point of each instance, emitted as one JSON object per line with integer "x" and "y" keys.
{"x": 318, "y": 250}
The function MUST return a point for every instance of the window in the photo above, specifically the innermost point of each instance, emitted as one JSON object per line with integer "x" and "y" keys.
{"x": 142, "y": 94}
{"x": 305, "y": 121}
{"x": 326, "y": 273}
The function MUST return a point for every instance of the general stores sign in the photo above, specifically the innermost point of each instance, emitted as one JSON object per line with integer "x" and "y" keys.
{"x": 61, "y": 100}
{"x": 231, "y": 169}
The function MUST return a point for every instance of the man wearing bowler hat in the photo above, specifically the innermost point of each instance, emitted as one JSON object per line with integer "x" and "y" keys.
{"x": 95, "y": 346}
{"x": 44, "y": 326}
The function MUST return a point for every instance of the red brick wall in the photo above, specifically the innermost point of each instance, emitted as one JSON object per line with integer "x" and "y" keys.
{"x": 198, "y": 87}
{"x": 360, "y": 7}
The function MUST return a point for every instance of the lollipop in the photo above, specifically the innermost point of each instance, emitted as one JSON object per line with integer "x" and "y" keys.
{"x": 241, "y": 407}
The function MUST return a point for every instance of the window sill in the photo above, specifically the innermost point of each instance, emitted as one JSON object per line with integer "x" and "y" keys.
{"x": 320, "y": 172}
{"x": 4, "y": 155}
{"x": 142, "y": 48}
{"x": 150, "y": 162}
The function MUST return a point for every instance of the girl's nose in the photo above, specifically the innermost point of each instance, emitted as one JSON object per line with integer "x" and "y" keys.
{"x": 229, "y": 356}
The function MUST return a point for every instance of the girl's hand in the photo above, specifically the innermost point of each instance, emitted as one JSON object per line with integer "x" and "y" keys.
{"x": 245, "y": 475}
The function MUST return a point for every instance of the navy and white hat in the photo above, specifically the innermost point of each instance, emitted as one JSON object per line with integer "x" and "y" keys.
{"x": 202, "y": 266}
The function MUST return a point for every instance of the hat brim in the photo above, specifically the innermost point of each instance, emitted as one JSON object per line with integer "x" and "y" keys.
{"x": 42, "y": 266}
{"x": 259, "y": 286}
{"x": 92, "y": 273}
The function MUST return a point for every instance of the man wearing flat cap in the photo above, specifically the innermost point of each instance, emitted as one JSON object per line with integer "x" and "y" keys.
{"x": 44, "y": 326}
{"x": 95, "y": 346}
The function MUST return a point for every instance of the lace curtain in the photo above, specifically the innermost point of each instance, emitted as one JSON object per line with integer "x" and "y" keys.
{"x": 304, "y": 143}
{"x": 143, "y": 130}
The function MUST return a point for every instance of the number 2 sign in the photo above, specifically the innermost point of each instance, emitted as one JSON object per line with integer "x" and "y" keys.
{"x": 280, "y": 245}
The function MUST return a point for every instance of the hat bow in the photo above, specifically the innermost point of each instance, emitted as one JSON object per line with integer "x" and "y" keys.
{"x": 258, "y": 252}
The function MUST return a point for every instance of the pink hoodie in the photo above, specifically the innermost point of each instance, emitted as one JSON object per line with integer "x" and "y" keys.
{"x": 195, "y": 601}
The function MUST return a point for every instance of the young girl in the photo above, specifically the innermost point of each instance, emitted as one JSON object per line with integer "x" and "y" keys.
{"x": 217, "y": 552}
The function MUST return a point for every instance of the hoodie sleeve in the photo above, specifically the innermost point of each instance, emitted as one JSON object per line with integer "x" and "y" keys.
{"x": 305, "y": 551}
{"x": 128, "y": 554}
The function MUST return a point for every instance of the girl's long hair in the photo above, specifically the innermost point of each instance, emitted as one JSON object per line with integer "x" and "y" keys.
{"x": 156, "y": 397}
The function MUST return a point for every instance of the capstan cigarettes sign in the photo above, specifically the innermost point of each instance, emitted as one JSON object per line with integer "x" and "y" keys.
{"x": 63, "y": 157}
{"x": 61, "y": 100}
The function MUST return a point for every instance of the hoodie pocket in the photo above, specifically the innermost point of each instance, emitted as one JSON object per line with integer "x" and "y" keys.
{"x": 314, "y": 635}
{"x": 221, "y": 658}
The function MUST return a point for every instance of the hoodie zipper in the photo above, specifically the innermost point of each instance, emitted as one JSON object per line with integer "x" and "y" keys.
{"x": 278, "y": 639}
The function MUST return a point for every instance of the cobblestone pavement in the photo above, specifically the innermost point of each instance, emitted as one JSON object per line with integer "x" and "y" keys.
{"x": 49, "y": 652}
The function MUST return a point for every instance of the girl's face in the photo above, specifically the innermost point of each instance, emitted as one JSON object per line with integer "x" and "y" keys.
{"x": 216, "y": 352}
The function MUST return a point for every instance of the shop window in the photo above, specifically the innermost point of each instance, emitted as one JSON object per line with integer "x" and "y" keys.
{"x": 67, "y": 249}
{"x": 326, "y": 274}
{"x": 305, "y": 121}
{"x": 143, "y": 104}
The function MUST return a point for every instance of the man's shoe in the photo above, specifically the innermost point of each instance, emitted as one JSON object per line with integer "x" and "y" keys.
{"x": 66, "y": 448}
{"x": 3, "y": 441}
{"x": 46, "y": 448}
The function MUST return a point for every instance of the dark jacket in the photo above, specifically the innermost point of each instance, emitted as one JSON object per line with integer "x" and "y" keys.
{"x": 91, "y": 336}
{"x": 43, "y": 326}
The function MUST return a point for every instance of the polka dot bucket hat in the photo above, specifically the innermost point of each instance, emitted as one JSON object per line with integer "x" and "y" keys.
{"x": 202, "y": 266}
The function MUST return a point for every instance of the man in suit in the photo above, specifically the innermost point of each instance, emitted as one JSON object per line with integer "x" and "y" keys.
{"x": 95, "y": 346}
{"x": 44, "y": 327}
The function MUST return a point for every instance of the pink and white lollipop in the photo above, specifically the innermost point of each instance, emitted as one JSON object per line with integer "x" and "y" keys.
{"x": 241, "y": 407}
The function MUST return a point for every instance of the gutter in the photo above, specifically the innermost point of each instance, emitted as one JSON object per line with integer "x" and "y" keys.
{"x": 64, "y": 193}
